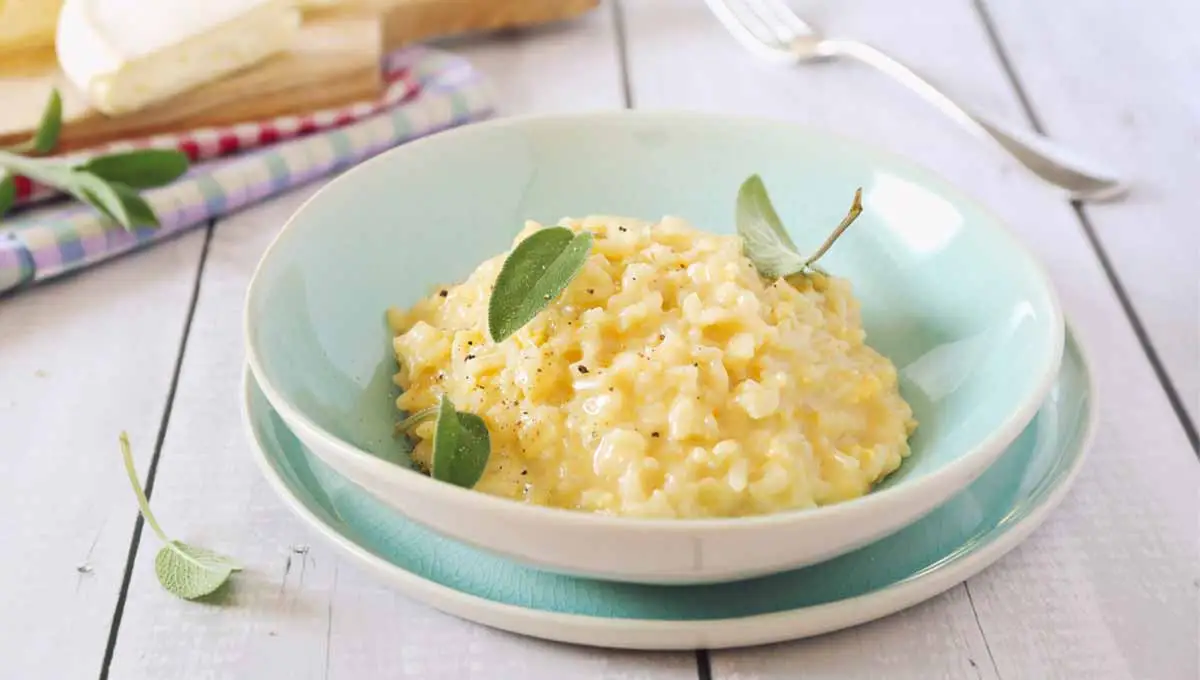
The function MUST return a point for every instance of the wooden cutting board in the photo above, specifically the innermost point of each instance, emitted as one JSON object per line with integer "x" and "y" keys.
{"x": 336, "y": 62}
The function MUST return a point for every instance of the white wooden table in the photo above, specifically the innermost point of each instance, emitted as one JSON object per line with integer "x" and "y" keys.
{"x": 1107, "y": 588}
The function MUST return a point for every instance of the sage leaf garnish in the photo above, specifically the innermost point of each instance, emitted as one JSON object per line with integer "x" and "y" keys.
{"x": 186, "y": 571}
{"x": 855, "y": 210}
{"x": 109, "y": 183}
{"x": 461, "y": 446}
{"x": 534, "y": 274}
{"x": 765, "y": 241}
{"x": 406, "y": 425}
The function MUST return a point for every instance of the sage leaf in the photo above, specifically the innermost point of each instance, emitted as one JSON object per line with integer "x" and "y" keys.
{"x": 49, "y": 127}
{"x": 8, "y": 192}
{"x": 141, "y": 169}
{"x": 183, "y": 570}
{"x": 117, "y": 201}
{"x": 764, "y": 240}
{"x": 461, "y": 446}
{"x": 415, "y": 419}
{"x": 766, "y": 243}
{"x": 534, "y": 274}
{"x": 855, "y": 210}
{"x": 190, "y": 572}
{"x": 108, "y": 182}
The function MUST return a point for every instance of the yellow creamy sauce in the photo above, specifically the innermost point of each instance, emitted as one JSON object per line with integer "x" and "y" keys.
{"x": 668, "y": 380}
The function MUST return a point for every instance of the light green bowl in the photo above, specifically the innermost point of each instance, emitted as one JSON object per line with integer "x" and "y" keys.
{"x": 957, "y": 304}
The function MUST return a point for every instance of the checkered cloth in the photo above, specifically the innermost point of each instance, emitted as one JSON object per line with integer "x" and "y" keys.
{"x": 429, "y": 91}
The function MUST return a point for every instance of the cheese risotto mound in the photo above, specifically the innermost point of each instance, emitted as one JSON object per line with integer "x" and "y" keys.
{"x": 668, "y": 380}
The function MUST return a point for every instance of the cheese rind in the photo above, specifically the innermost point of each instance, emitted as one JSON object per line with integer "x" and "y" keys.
{"x": 128, "y": 54}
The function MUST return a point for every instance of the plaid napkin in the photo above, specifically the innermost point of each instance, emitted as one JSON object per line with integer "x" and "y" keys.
{"x": 441, "y": 91}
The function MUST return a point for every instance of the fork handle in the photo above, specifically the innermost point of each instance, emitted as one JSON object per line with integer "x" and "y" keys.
{"x": 1035, "y": 152}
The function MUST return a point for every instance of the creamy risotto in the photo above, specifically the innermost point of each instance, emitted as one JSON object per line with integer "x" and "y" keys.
{"x": 668, "y": 380}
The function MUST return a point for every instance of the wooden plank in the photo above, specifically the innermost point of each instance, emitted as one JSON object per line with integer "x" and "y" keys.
{"x": 935, "y": 639}
{"x": 1107, "y": 586}
{"x": 1120, "y": 79}
{"x": 80, "y": 360}
{"x": 300, "y": 611}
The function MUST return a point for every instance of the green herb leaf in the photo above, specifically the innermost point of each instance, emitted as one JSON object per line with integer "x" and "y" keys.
{"x": 533, "y": 275}
{"x": 190, "y": 572}
{"x": 8, "y": 192}
{"x": 855, "y": 210}
{"x": 461, "y": 446}
{"x": 764, "y": 240}
{"x": 115, "y": 200}
{"x": 141, "y": 169}
{"x": 183, "y": 570}
{"x": 415, "y": 419}
{"x": 46, "y": 137}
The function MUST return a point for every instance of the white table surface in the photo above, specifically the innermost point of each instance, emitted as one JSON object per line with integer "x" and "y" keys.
{"x": 1107, "y": 588}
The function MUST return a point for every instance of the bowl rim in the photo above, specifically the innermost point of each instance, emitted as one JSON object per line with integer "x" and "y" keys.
{"x": 979, "y": 456}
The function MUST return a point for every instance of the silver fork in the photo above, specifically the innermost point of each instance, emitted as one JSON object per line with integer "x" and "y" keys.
{"x": 771, "y": 30}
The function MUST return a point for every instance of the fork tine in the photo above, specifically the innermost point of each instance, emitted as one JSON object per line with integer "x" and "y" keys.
{"x": 746, "y": 28}
{"x": 782, "y": 13}
{"x": 766, "y": 14}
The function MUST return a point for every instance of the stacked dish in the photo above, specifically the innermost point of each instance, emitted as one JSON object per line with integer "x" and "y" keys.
{"x": 792, "y": 498}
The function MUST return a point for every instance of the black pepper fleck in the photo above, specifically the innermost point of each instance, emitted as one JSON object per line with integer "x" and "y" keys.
{"x": 470, "y": 356}
{"x": 524, "y": 472}
{"x": 443, "y": 293}
{"x": 583, "y": 369}
{"x": 655, "y": 435}
{"x": 622, "y": 229}
{"x": 591, "y": 291}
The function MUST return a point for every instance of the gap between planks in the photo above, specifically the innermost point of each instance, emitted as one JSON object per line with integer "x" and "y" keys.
{"x": 160, "y": 437}
{"x": 1097, "y": 246}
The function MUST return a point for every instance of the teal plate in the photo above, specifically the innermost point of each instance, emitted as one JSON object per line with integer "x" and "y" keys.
{"x": 951, "y": 544}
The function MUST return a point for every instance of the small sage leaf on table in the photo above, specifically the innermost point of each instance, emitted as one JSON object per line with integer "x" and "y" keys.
{"x": 191, "y": 572}
{"x": 461, "y": 446}
{"x": 534, "y": 274}
{"x": 765, "y": 241}
{"x": 184, "y": 570}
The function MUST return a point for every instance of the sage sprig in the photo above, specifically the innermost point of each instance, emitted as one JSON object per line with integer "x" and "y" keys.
{"x": 533, "y": 275}
{"x": 186, "y": 571}
{"x": 765, "y": 241}
{"x": 109, "y": 182}
{"x": 461, "y": 443}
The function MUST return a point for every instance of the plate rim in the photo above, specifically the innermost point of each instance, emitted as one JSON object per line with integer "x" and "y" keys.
{"x": 667, "y": 634}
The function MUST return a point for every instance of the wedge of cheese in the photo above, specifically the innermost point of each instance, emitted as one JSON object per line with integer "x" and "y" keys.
{"x": 127, "y": 54}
